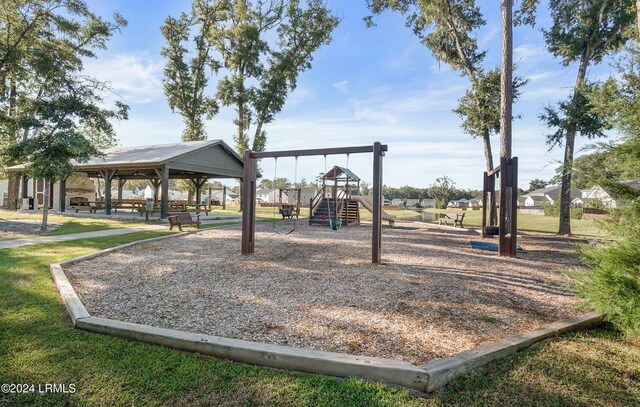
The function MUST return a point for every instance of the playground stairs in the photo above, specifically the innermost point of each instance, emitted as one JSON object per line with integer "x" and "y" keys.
{"x": 326, "y": 210}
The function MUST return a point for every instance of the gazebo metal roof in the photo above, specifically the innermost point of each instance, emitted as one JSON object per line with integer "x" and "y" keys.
{"x": 194, "y": 159}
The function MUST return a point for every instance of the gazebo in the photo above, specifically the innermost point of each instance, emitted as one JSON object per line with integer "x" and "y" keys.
{"x": 195, "y": 160}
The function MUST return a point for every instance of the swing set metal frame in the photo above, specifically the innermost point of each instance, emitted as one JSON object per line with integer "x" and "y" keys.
{"x": 249, "y": 190}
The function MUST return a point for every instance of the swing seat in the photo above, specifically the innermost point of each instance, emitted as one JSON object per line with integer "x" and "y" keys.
{"x": 492, "y": 230}
{"x": 335, "y": 223}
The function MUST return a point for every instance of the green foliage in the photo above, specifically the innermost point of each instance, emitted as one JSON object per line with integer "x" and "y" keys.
{"x": 583, "y": 31}
{"x": 441, "y": 191}
{"x": 553, "y": 210}
{"x": 274, "y": 184}
{"x": 479, "y": 108}
{"x": 185, "y": 82}
{"x": 573, "y": 115}
{"x": 588, "y": 28}
{"x": 536, "y": 184}
{"x": 611, "y": 284}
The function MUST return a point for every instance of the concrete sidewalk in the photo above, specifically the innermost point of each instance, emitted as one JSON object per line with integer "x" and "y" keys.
{"x": 6, "y": 244}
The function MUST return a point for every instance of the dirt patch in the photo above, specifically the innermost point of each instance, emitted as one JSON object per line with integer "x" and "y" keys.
{"x": 18, "y": 228}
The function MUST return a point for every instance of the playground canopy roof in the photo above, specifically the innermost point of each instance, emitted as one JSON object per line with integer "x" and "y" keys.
{"x": 188, "y": 160}
{"x": 340, "y": 173}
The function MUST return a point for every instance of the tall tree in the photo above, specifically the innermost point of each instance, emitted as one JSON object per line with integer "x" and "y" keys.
{"x": 263, "y": 46}
{"x": 185, "y": 82}
{"x": 41, "y": 43}
{"x": 446, "y": 28}
{"x": 583, "y": 31}
{"x": 479, "y": 108}
{"x": 71, "y": 103}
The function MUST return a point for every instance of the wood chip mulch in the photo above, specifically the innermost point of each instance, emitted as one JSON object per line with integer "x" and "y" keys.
{"x": 316, "y": 288}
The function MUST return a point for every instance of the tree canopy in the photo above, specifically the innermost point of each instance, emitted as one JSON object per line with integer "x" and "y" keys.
{"x": 260, "y": 49}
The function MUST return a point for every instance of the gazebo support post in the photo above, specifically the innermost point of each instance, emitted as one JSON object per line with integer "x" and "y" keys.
{"x": 164, "y": 182}
{"x": 25, "y": 186}
{"x": 107, "y": 192}
{"x": 63, "y": 195}
{"x": 224, "y": 198}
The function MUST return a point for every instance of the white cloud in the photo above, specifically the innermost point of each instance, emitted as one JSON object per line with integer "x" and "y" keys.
{"x": 136, "y": 78}
{"x": 342, "y": 86}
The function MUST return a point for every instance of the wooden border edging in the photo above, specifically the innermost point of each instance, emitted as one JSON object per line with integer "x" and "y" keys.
{"x": 442, "y": 371}
{"x": 276, "y": 356}
{"x": 426, "y": 378}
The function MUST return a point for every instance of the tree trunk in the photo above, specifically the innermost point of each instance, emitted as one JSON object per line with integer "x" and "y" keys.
{"x": 564, "y": 227}
{"x": 638, "y": 18}
{"x": 488, "y": 155}
{"x": 506, "y": 79}
{"x": 45, "y": 209}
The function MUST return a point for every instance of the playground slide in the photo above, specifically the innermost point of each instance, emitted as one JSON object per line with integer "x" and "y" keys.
{"x": 367, "y": 203}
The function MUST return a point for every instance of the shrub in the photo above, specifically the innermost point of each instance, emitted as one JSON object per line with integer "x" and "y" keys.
{"x": 611, "y": 284}
{"x": 553, "y": 210}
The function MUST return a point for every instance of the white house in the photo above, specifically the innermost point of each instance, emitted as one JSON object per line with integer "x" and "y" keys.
{"x": 428, "y": 203}
{"x": 411, "y": 202}
{"x": 270, "y": 195}
{"x": 475, "y": 203}
{"x": 545, "y": 196}
{"x": 4, "y": 191}
{"x": 460, "y": 203}
{"x": 396, "y": 202}
{"x": 597, "y": 194}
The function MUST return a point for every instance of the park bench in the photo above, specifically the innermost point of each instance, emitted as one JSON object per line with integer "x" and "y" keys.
{"x": 181, "y": 219}
{"x": 455, "y": 218}
{"x": 287, "y": 213}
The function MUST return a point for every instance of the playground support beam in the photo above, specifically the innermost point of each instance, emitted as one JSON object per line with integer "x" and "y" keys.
{"x": 249, "y": 190}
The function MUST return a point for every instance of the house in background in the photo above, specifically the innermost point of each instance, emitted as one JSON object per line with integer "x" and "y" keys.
{"x": 428, "y": 203}
{"x": 475, "y": 203}
{"x": 545, "y": 196}
{"x": 598, "y": 194}
{"x": 458, "y": 204}
{"x": 270, "y": 195}
{"x": 411, "y": 202}
{"x": 396, "y": 202}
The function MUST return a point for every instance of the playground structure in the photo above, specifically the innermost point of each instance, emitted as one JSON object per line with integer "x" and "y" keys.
{"x": 506, "y": 224}
{"x": 249, "y": 190}
{"x": 339, "y": 199}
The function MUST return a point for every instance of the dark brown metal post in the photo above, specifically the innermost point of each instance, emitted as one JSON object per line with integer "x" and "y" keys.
{"x": 164, "y": 182}
{"x": 376, "y": 238}
{"x": 503, "y": 250}
{"x": 248, "y": 204}
{"x": 513, "y": 184}
{"x": 63, "y": 196}
{"x": 107, "y": 192}
{"x": 485, "y": 188}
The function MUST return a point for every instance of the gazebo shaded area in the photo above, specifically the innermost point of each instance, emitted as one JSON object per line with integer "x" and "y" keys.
{"x": 196, "y": 161}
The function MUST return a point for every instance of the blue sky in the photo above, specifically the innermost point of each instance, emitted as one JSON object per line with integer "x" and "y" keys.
{"x": 369, "y": 84}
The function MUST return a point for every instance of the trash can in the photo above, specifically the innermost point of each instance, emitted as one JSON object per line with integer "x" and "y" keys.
{"x": 32, "y": 204}
{"x": 149, "y": 205}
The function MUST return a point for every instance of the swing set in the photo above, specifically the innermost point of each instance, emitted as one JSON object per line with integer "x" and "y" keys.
{"x": 249, "y": 192}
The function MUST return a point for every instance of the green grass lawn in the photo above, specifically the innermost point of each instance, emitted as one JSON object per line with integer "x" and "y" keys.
{"x": 39, "y": 345}
{"x": 526, "y": 222}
